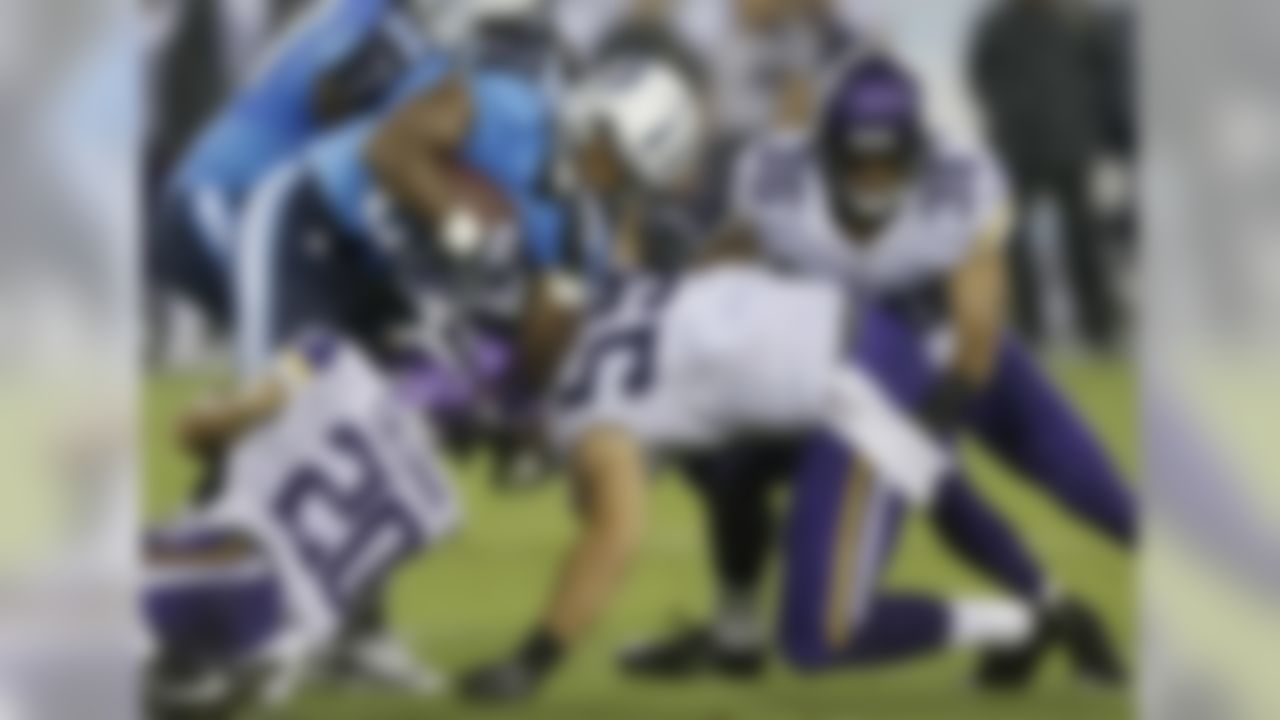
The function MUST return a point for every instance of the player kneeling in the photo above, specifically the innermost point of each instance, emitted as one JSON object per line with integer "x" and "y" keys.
{"x": 737, "y": 352}
{"x": 328, "y": 484}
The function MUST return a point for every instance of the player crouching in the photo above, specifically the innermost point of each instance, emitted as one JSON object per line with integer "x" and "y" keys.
{"x": 329, "y": 483}
{"x": 719, "y": 356}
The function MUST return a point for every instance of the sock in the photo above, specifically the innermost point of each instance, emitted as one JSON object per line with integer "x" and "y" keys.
{"x": 989, "y": 623}
{"x": 736, "y": 625}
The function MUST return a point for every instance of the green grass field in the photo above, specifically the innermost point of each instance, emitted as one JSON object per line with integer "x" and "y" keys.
{"x": 470, "y": 600}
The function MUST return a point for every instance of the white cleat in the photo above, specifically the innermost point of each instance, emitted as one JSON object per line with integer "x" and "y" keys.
{"x": 386, "y": 662}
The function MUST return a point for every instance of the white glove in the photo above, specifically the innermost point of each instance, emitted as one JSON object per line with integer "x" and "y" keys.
{"x": 904, "y": 455}
{"x": 462, "y": 234}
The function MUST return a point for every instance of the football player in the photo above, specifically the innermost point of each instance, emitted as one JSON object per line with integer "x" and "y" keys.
{"x": 918, "y": 223}
{"x": 678, "y": 365}
{"x": 340, "y": 58}
{"x": 736, "y": 355}
{"x": 445, "y": 188}
{"x": 914, "y": 225}
{"x": 331, "y": 483}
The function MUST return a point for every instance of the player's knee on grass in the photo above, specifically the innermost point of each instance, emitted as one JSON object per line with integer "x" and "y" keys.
{"x": 804, "y": 646}
{"x": 817, "y": 627}
{"x": 816, "y": 643}
{"x": 833, "y": 554}
{"x": 891, "y": 628}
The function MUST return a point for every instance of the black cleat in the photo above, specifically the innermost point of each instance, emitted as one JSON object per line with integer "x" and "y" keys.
{"x": 688, "y": 653}
{"x": 506, "y": 682}
{"x": 1089, "y": 645}
{"x": 1012, "y": 669}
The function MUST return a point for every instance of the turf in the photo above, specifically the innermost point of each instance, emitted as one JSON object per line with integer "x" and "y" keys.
{"x": 470, "y": 600}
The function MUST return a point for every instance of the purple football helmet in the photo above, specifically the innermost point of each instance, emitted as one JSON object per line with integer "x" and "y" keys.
{"x": 871, "y": 138}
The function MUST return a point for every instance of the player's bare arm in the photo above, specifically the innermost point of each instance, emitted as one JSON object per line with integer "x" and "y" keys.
{"x": 216, "y": 421}
{"x": 550, "y": 318}
{"x": 608, "y": 470}
{"x": 414, "y": 153}
{"x": 976, "y": 295}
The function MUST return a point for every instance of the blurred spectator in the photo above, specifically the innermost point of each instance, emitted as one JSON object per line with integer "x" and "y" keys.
{"x": 799, "y": 77}
{"x": 766, "y": 45}
{"x": 1037, "y": 69}
{"x": 581, "y": 25}
{"x": 1118, "y": 192}
{"x": 1118, "y": 77}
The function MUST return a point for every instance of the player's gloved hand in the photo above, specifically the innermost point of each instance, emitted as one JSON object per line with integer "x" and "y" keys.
{"x": 516, "y": 678}
{"x": 945, "y": 407}
{"x": 507, "y": 681}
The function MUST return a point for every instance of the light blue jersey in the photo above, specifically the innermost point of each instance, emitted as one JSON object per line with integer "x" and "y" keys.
{"x": 331, "y": 190}
{"x": 274, "y": 115}
{"x": 510, "y": 143}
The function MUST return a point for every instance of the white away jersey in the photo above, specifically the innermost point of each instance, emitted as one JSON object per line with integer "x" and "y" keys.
{"x": 685, "y": 364}
{"x": 960, "y": 200}
{"x": 342, "y": 486}
{"x": 730, "y": 352}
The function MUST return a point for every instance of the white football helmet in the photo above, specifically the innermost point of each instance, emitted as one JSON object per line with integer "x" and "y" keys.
{"x": 647, "y": 110}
